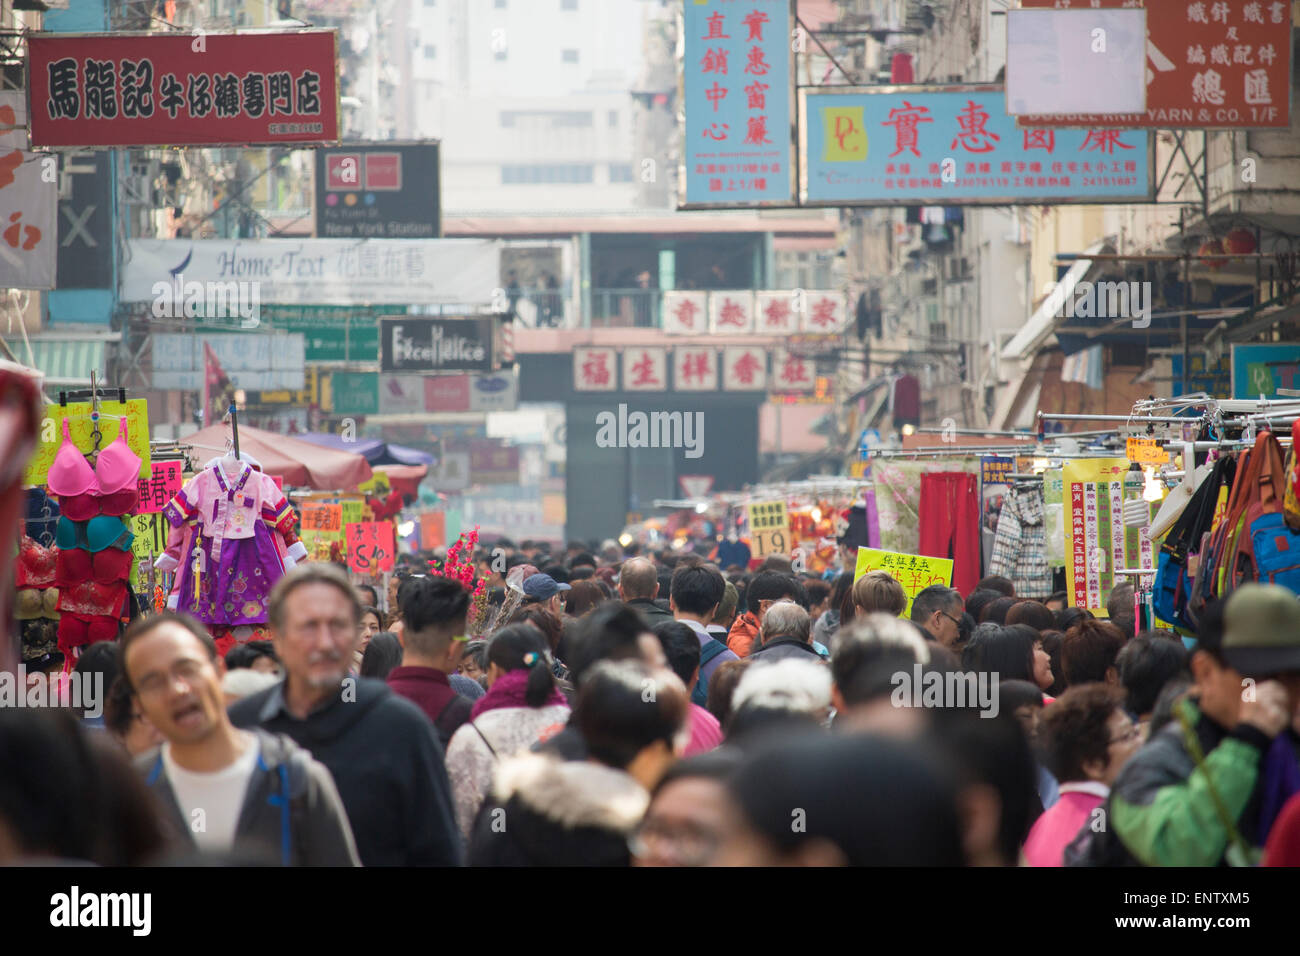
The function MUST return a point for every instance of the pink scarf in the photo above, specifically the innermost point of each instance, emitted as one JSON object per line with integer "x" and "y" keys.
{"x": 509, "y": 691}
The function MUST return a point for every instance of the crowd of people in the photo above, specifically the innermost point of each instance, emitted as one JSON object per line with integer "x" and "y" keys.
{"x": 654, "y": 709}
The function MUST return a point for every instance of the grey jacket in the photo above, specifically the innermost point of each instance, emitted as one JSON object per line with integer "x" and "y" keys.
{"x": 309, "y": 829}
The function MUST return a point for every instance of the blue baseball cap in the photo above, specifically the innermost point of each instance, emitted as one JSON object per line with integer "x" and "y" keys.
{"x": 542, "y": 587}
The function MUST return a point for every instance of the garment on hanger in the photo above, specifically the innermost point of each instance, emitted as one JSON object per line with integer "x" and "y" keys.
{"x": 950, "y": 524}
{"x": 235, "y": 517}
{"x": 1020, "y": 543}
{"x": 1176, "y": 501}
{"x": 110, "y": 488}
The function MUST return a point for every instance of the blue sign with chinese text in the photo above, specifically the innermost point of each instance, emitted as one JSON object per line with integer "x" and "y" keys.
{"x": 738, "y": 74}
{"x": 1264, "y": 369}
{"x": 955, "y": 145}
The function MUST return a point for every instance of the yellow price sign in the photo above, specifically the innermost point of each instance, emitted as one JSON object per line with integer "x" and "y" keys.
{"x": 1147, "y": 451}
{"x": 81, "y": 428}
{"x": 769, "y": 528}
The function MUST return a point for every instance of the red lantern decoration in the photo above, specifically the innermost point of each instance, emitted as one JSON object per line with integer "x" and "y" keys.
{"x": 1209, "y": 248}
{"x": 1239, "y": 241}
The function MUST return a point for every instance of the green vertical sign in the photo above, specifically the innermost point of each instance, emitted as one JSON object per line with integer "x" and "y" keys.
{"x": 355, "y": 393}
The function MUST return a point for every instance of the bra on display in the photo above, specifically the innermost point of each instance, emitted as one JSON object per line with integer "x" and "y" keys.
{"x": 104, "y": 567}
{"x": 36, "y": 565}
{"x": 94, "y": 535}
{"x": 110, "y": 488}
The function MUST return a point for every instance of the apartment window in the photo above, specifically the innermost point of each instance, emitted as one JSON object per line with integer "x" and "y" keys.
{"x": 568, "y": 56}
{"x": 620, "y": 172}
{"x": 613, "y": 117}
{"x": 538, "y": 174}
{"x": 430, "y": 52}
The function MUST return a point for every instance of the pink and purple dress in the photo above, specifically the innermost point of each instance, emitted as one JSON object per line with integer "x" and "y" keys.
{"x": 235, "y": 520}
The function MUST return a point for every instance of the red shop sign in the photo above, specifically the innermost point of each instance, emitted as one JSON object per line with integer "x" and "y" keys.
{"x": 168, "y": 89}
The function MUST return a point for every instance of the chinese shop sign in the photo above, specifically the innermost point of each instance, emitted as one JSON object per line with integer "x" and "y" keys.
{"x": 769, "y": 528}
{"x": 322, "y": 517}
{"x": 957, "y": 146}
{"x": 914, "y": 572}
{"x": 737, "y": 78}
{"x": 161, "y": 89}
{"x": 1210, "y": 64}
{"x": 160, "y": 487}
{"x": 371, "y": 547}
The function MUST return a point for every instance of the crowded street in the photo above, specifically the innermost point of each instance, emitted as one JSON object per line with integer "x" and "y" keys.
{"x": 650, "y": 433}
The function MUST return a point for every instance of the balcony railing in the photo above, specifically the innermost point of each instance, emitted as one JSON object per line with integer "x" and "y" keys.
{"x": 625, "y": 308}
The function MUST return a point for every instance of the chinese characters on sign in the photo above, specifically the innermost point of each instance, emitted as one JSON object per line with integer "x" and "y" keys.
{"x": 913, "y": 571}
{"x": 1096, "y": 538}
{"x": 595, "y": 370}
{"x": 949, "y": 147}
{"x": 161, "y": 487}
{"x": 1210, "y": 63}
{"x": 769, "y": 528}
{"x": 737, "y": 76}
{"x": 371, "y": 547}
{"x": 180, "y": 90}
{"x": 322, "y": 517}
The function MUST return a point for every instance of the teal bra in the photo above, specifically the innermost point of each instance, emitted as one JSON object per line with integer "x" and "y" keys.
{"x": 103, "y": 531}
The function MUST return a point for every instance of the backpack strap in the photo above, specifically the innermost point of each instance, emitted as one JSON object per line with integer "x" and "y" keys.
{"x": 492, "y": 750}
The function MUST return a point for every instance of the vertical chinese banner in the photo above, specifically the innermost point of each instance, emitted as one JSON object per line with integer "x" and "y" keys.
{"x": 1096, "y": 542}
{"x": 738, "y": 92}
{"x": 994, "y": 485}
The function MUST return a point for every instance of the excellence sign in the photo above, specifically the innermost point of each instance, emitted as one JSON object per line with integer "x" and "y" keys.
{"x": 150, "y": 89}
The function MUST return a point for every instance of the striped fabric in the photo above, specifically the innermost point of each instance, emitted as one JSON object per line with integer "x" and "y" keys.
{"x": 65, "y": 361}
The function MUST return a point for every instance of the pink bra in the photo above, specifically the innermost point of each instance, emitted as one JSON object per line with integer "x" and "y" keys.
{"x": 110, "y": 488}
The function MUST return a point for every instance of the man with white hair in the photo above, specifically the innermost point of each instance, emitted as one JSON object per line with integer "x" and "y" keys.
{"x": 794, "y": 687}
{"x": 786, "y": 633}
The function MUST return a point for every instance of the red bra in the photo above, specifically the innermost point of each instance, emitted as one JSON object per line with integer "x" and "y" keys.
{"x": 91, "y": 597}
{"x": 104, "y": 567}
{"x": 36, "y": 565}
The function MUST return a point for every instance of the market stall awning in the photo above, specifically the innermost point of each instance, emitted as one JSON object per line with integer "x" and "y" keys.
{"x": 298, "y": 462}
{"x": 404, "y": 479}
{"x": 373, "y": 450}
{"x": 1051, "y": 311}
{"x": 65, "y": 362}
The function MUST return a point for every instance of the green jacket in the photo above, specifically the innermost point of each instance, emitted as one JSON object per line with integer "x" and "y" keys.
{"x": 1161, "y": 812}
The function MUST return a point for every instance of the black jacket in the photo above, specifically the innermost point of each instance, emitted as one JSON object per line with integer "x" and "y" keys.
{"x": 310, "y": 829}
{"x": 783, "y": 648}
{"x": 387, "y": 764}
{"x": 654, "y": 612}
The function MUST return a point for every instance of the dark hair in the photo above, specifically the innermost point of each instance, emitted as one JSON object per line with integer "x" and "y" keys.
{"x": 374, "y": 595}
{"x": 582, "y": 597}
{"x": 523, "y": 647}
{"x": 582, "y": 572}
{"x": 1209, "y": 631}
{"x": 244, "y": 655}
{"x": 770, "y": 586}
{"x": 119, "y": 708}
{"x": 585, "y": 558}
{"x": 1088, "y": 650}
{"x": 617, "y": 721}
{"x": 841, "y": 590}
{"x": 697, "y": 590}
{"x": 1067, "y": 617}
{"x": 722, "y": 687}
{"x": 995, "y": 582}
{"x": 1033, "y": 613}
{"x": 142, "y": 626}
{"x": 1005, "y": 651}
{"x": 1075, "y": 729}
{"x": 1051, "y": 641}
{"x": 99, "y": 658}
{"x": 817, "y": 591}
{"x": 936, "y": 597}
{"x": 1013, "y": 694}
{"x": 995, "y": 612}
{"x": 977, "y": 600}
{"x": 73, "y": 796}
{"x": 370, "y": 609}
{"x": 432, "y": 607}
{"x": 557, "y": 573}
{"x": 681, "y": 647}
{"x": 551, "y": 625}
{"x": 1058, "y": 596}
{"x": 880, "y": 802}
{"x": 608, "y": 633}
{"x": 1146, "y": 664}
{"x": 316, "y": 572}
{"x": 382, "y": 654}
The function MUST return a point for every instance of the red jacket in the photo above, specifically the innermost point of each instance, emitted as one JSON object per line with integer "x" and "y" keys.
{"x": 744, "y": 632}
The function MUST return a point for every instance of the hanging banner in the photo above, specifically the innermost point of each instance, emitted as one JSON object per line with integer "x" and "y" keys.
{"x": 737, "y": 88}
{"x": 372, "y": 548}
{"x": 769, "y": 528}
{"x": 50, "y": 437}
{"x": 956, "y": 145}
{"x": 1210, "y": 65}
{"x": 915, "y": 572}
{"x": 1097, "y": 540}
{"x": 160, "y": 487}
{"x": 1054, "y": 516}
{"x": 113, "y": 90}
{"x": 995, "y": 482}
{"x": 28, "y": 197}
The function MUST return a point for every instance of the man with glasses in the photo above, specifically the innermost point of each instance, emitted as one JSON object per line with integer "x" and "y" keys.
{"x": 223, "y": 789}
{"x": 434, "y": 613}
{"x": 937, "y": 610}
{"x": 382, "y": 750}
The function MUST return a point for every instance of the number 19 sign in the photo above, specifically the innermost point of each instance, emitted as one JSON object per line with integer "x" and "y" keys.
{"x": 769, "y": 528}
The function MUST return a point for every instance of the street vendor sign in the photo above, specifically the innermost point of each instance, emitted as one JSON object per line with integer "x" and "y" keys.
{"x": 915, "y": 572}
{"x": 176, "y": 89}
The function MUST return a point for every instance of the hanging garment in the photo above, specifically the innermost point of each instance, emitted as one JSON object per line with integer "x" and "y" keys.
{"x": 1020, "y": 544}
{"x": 950, "y": 524}
{"x": 110, "y": 488}
{"x": 235, "y": 518}
{"x": 873, "y": 518}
